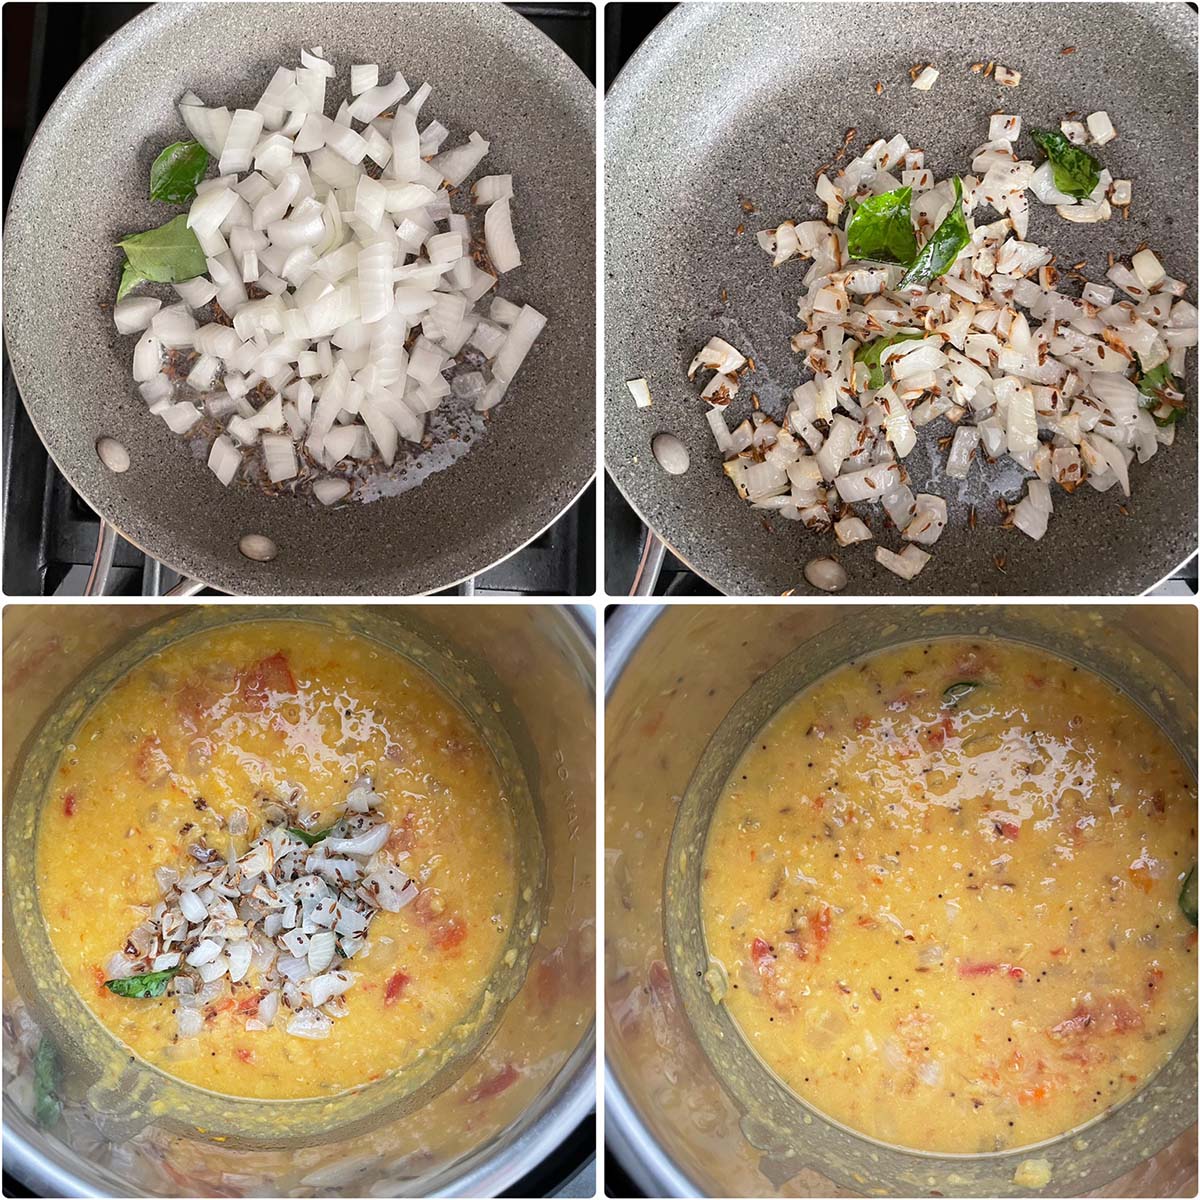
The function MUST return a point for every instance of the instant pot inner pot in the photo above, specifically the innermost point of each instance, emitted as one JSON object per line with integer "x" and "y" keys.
{"x": 791, "y": 1133}
{"x": 126, "y": 1093}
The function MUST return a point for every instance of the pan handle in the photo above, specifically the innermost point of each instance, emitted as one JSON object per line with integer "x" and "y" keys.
{"x": 650, "y": 565}
{"x": 107, "y": 540}
{"x": 102, "y": 561}
{"x": 186, "y": 587}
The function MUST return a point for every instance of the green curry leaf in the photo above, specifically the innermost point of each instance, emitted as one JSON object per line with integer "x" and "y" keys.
{"x": 311, "y": 839}
{"x": 871, "y": 352}
{"x": 143, "y": 987}
{"x": 943, "y": 247}
{"x": 1187, "y": 896}
{"x": 47, "y": 1075}
{"x": 880, "y": 228}
{"x": 1076, "y": 172}
{"x": 958, "y": 691}
{"x": 1154, "y": 386}
{"x": 168, "y": 254}
{"x": 130, "y": 278}
{"x": 176, "y": 172}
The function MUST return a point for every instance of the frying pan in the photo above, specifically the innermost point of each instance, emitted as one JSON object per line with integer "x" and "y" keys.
{"x": 727, "y": 102}
{"x": 84, "y": 184}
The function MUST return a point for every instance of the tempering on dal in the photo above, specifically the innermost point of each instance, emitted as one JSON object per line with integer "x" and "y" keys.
{"x": 218, "y": 741}
{"x": 942, "y": 890}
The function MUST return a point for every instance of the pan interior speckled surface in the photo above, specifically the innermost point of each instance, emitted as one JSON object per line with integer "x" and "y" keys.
{"x": 84, "y": 184}
{"x": 725, "y": 102}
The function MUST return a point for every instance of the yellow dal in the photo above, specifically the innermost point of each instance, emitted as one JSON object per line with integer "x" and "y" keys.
{"x": 215, "y": 723}
{"x": 957, "y": 928}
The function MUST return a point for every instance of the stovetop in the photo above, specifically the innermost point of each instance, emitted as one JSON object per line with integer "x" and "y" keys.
{"x": 625, "y": 550}
{"x": 50, "y": 533}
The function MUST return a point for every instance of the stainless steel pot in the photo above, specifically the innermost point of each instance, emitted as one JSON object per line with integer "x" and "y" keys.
{"x": 685, "y": 1112}
{"x": 528, "y": 674}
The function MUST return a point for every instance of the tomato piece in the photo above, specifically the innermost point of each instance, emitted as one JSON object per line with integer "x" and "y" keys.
{"x": 1077, "y": 1022}
{"x": 404, "y": 836}
{"x": 862, "y": 723}
{"x": 548, "y": 979}
{"x": 494, "y": 1085}
{"x": 247, "y": 1056}
{"x": 1009, "y": 830}
{"x": 1032, "y": 1095}
{"x": 151, "y": 763}
{"x": 195, "y": 706}
{"x": 1111, "y": 1016}
{"x": 820, "y": 925}
{"x": 424, "y": 906}
{"x": 763, "y": 957}
{"x": 69, "y": 804}
{"x": 269, "y": 677}
{"x": 661, "y": 987}
{"x": 1121, "y": 1016}
{"x": 1141, "y": 879}
{"x": 449, "y": 933}
{"x": 395, "y": 987}
{"x": 970, "y": 970}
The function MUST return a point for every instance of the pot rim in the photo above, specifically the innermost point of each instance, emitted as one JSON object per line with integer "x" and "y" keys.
{"x": 625, "y": 1132}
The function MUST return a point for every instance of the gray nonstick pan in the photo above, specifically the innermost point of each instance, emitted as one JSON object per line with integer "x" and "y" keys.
{"x": 726, "y": 104}
{"x": 84, "y": 184}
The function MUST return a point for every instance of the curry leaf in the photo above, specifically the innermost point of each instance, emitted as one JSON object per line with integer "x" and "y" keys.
{"x": 176, "y": 172}
{"x": 880, "y": 229}
{"x": 871, "y": 352}
{"x": 168, "y": 254}
{"x": 311, "y": 839}
{"x": 130, "y": 278}
{"x": 47, "y": 1074}
{"x": 1187, "y": 896}
{"x": 1076, "y": 172}
{"x": 958, "y": 691}
{"x": 943, "y": 247}
{"x": 143, "y": 987}
{"x": 1158, "y": 390}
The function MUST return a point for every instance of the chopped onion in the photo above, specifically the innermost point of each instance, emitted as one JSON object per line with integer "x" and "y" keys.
{"x": 456, "y": 164}
{"x": 237, "y": 151}
{"x": 352, "y": 266}
{"x": 224, "y": 460}
{"x": 640, "y": 390}
{"x": 330, "y": 491}
{"x": 907, "y": 564}
{"x": 363, "y": 78}
{"x": 279, "y": 456}
{"x": 1016, "y": 365}
{"x": 134, "y": 313}
{"x": 501, "y": 242}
